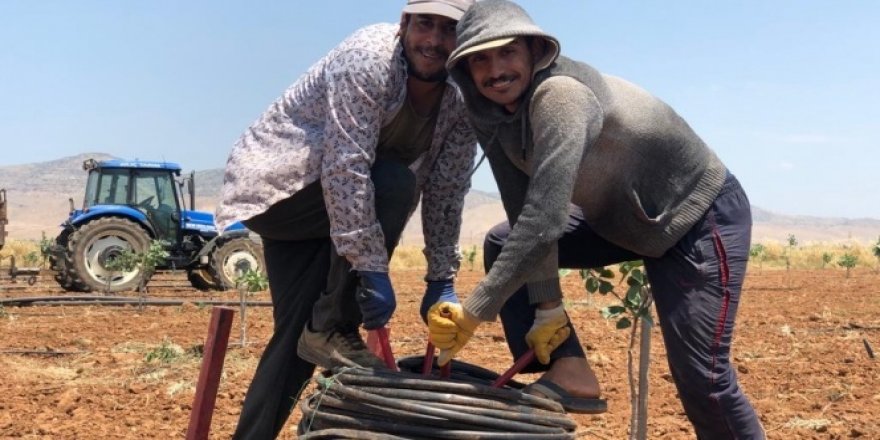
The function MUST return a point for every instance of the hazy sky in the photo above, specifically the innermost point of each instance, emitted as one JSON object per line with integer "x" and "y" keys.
{"x": 786, "y": 92}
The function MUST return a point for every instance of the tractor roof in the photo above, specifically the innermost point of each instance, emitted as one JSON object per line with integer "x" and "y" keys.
{"x": 120, "y": 163}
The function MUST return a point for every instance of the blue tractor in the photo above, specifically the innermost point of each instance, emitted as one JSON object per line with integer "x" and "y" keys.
{"x": 129, "y": 204}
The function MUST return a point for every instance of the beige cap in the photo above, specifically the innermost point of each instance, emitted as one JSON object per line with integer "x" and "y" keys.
{"x": 453, "y": 9}
{"x": 541, "y": 64}
{"x": 491, "y": 44}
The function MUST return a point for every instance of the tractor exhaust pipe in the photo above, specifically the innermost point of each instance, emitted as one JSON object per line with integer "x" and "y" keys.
{"x": 192, "y": 190}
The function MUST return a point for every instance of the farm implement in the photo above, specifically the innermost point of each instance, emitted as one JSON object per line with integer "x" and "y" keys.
{"x": 13, "y": 271}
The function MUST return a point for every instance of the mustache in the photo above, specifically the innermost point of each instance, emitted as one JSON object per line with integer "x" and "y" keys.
{"x": 434, "y": 50}
{"x": 498, "y": 79}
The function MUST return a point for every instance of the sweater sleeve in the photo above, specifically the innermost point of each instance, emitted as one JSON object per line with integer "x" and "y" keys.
{"x": 565, "y": 118}
{"x": 443, "y": 201}
{"x": 356, "y": 88}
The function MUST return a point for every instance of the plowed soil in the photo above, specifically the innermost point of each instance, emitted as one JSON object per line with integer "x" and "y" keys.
{"x": 802, "y": 347}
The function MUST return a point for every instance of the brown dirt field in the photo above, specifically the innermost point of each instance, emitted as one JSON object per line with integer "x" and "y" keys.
{"x": 82, "y": 372}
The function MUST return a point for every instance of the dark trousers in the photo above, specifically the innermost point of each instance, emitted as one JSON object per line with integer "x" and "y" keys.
{"x": 308, "y": 280}
{"x": 696, "y": 286}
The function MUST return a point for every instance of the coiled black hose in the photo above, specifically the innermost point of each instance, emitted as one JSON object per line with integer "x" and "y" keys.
{"x": 378, "y": 405}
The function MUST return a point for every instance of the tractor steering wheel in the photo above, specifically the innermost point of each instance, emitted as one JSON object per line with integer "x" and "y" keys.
{"x": 145, "y": 203}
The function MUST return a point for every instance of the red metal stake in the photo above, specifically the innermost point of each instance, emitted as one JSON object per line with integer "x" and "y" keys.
{"x": 213, "y": 356}
{"x": 520, "y": 363}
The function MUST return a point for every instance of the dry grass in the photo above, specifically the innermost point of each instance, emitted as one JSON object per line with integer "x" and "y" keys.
{"x": 26, "y": 252}
{"x": 807, "y": 256}
{"x": 814, "y": 255}
{"x": 412, "y": 257}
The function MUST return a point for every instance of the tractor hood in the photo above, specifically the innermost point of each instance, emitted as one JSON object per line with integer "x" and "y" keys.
{"x": 204, "y": 223}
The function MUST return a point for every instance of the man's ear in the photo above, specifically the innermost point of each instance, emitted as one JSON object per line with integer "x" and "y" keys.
{"x": 538, "y": 48}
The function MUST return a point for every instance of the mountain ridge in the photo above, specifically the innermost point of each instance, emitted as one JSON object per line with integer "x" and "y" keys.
{"x": 38, "y": 201}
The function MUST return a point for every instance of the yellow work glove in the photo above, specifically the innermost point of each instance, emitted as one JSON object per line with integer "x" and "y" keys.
{"x": 549, "y": 331}
{"x": 449, "y": 328}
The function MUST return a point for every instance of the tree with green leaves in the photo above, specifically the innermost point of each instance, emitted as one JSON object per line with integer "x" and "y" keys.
{"x": 758, "y": 252}
{"x": 46, "y": 248}
{"x": 248, "y": 282}
{"x": 470, "y": 256}
{"x": 792, "y": 243}
{"x": 848, "y": 261}
{"x": 875, "y": 249}
{"x": 129, "y": 260}
{"x": 597, "y": 280}
{"x": 634, "y": 308}
{"x": 149, "y": 259}
{"x": 31, "y": 259}
{"x": 827, "y": 257}
{"x": 121, "y": 262}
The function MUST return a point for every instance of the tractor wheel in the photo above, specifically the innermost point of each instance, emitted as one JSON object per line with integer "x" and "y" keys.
{"x": 233, "y": 257}
{"x": 201, "y": 279}
{"x": 58, "y": 263}
{"x": 98, "y": 242}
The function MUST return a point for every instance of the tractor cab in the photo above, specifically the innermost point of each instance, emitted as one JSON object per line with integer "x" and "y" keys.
{"x": 151, "y": 188}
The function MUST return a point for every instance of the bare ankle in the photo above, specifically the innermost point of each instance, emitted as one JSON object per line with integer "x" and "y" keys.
{"x": 575, "y": 375}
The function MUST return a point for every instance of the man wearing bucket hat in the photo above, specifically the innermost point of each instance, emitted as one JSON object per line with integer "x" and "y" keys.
{"x": 329, "y": 175}
{"x": 593, "y": 171}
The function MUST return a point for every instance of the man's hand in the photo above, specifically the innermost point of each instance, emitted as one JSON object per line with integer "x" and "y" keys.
{"x": 437, "y": 291}
{"x": 375, "y": 296}
{"x": 449, "y": 328}
{"x": 548, "y": 332}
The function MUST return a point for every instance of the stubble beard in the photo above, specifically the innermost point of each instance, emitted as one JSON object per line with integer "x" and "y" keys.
{"x": 433, "y": 77}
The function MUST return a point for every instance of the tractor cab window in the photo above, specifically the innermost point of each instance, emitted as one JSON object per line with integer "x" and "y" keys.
{"x": 154, "y": 190}
{"x": 107, "y": 187}
{"x": 154, "y": 194}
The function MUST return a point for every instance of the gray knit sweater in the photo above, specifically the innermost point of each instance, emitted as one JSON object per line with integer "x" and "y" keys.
{"x": 640, "y": 174}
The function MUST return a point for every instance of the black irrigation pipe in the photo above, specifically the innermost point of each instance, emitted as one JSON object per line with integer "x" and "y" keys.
{"x": 377, "y": 405}
{"x": 82, "y": 300}
{"x": 356, "y": 434}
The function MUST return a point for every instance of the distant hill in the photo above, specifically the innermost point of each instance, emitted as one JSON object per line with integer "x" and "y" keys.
{"x": 38, "y": 195}
{"x": 771, "y": 226}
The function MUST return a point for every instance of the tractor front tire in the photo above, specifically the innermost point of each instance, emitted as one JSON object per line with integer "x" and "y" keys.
{"x": 201, "y": 279}
{"x": 95, "y": 243}
{"x": 232, "y": 258}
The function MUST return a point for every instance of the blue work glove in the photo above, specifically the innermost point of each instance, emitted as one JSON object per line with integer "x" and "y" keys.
{"x": 375, "y": 296}
{"x": 437, "y": 291}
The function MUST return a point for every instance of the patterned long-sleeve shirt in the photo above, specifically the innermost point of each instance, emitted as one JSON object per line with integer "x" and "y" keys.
{"x": 326, "y": 127}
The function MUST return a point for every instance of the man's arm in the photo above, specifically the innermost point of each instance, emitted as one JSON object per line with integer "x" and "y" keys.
{"x": 357, "y": 81}
{"x": 447, "y": 185}
{"x": 565, "y": 118}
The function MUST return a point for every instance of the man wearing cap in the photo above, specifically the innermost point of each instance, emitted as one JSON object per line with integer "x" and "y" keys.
{"x": 328, "y": 177}
{"x": 594, "y": 171}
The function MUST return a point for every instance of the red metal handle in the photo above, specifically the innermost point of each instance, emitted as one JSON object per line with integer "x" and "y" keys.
{"x": 387, "y": 355}
{"x": 428, "y": 361}
{"x": 428, "y": 364}
{"x": 446, "y": 370}
{"x": 520, "y": 363}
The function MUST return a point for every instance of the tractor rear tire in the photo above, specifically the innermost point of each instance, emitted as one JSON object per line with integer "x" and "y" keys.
{"x": 58, "y": 263}
{"x": 232, "y": 258}
{"x": 98, "y": 241}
